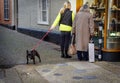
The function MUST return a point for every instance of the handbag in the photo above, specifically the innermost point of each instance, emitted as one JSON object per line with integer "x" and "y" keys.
{"x": 72, "y": 48}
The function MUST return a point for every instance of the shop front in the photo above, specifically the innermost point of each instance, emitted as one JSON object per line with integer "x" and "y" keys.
{"x": 111, "y": 50}
{"x": 106, "y": 12}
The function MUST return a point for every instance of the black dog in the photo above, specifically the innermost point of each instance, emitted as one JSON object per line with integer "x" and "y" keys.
{"x": 31, "y": 54}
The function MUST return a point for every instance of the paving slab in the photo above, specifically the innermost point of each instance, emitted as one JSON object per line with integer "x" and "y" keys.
{"x": 1, "y": 81}
{"x": 76, "y": 72}
{"x": 28, "y": 74}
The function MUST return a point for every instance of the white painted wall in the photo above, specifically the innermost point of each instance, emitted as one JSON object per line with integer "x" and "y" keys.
{"x": 28, "y": 13}
{"x": 73, "y": 4}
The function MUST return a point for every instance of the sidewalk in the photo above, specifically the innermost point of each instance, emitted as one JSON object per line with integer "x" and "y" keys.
{"x": 70, "y": 72}
{"x": 53, "y": 68}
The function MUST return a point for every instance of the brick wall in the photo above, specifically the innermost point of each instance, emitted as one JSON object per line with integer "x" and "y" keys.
{"x": 2, "y": 21}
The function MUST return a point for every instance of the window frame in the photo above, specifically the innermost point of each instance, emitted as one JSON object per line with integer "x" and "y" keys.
{"x": 40, "y": 10}
{"x": 6, "y": 9}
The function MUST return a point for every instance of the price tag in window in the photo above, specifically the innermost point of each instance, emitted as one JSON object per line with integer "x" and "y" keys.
{"x": 100, "y": 28}
{"x": 100, "y": 41}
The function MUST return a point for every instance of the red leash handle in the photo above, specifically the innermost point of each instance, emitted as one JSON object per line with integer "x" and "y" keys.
{"x": 41, "y": 40}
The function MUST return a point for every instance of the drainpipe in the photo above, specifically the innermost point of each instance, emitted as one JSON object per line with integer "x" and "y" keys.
{"x": 16, "y": 14}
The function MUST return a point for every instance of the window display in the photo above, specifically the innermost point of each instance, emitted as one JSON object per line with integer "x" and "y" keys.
{"x": 110, "y": 9}
{"x": 113, "y": 29}
{"x": 98, "y": 9}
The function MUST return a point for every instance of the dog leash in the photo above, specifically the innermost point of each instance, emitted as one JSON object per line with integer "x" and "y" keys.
{"x": 41, "y": 40}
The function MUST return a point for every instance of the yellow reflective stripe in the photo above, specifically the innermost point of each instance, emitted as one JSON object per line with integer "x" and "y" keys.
{"x": 73, "y": 16}
{"x": 55, "y": 23}
{"x": 62, "y": 26}
{"x": 65, "y": 27}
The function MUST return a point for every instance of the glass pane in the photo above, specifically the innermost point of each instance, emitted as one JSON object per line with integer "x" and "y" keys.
{"x": 5, "y": 1}
{"x": 44, "y": 16}
{"x": 113, "y": 36}
{"x": 43, "y": 11}
{"x": 44, "y": 5}
{"x": 6, "y": 9}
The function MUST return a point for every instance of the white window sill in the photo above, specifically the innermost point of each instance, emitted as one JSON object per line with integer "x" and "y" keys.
{"x": 43, "y": 23}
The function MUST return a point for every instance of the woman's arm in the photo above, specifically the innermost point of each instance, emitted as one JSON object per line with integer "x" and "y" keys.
{"x": 56, "y": 22}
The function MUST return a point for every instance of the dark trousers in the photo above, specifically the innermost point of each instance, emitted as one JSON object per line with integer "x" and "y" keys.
{"x": 65, "y": 41}
{"x": 82, "y": 55}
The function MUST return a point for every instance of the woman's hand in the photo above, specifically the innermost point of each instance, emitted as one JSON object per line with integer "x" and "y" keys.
{"x": 52, "y": 27}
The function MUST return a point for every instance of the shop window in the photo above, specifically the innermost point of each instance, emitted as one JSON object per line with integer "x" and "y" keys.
{"x": 113, "y": 30}
{"x": 97, "y": 8}
{"x": 6, "y": 9}
{"x": 43, "y": 12}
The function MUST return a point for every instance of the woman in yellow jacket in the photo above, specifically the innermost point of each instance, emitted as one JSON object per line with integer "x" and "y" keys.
{"x": 64, "y": 19}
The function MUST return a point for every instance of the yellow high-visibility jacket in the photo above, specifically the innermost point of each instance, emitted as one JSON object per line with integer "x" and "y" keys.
{"x": 62, "y": 27}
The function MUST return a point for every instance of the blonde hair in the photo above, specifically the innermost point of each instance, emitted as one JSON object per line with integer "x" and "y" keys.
{"x": 67, "y": 4}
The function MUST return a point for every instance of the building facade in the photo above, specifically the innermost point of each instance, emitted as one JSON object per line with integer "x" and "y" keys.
{"x": 38, "y": 14}
{"x": 6, "y": 13}
{"x": 34, "y": 17}
{"x": 105, "y": 11}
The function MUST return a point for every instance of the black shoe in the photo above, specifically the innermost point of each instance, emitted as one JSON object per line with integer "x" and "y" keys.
{"x": 79, "y": 59}
{"x": 68, "y": 57}
{"x": 62, "y": 56}
{"x": 85, "y": 59}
